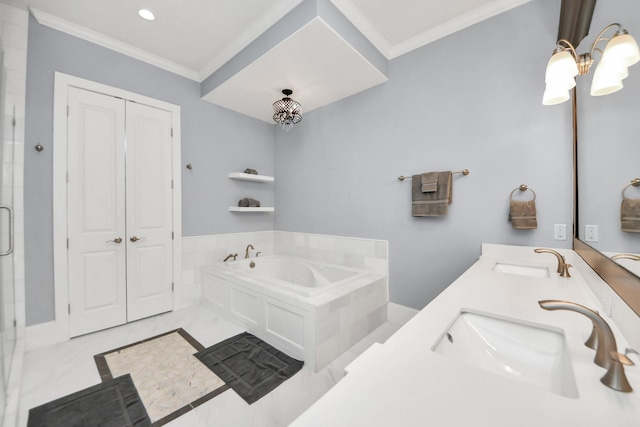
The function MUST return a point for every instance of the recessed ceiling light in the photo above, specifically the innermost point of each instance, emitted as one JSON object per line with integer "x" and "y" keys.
{"x": 146, "y": 14}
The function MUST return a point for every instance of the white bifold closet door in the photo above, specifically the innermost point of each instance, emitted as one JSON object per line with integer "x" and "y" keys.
{"x": 119, "y": 211}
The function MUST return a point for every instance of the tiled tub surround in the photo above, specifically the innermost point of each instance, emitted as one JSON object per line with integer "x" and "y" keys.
{"x": 202, "y": 251}
{"x": 318, "y": 327}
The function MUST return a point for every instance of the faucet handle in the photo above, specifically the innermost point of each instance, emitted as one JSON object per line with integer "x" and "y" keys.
{"x": 615, "y": 377}
{"x": 622, "y": 358}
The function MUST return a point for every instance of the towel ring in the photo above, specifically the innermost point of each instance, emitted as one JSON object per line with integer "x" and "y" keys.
{"x": 522, "y": 187}
{"x": 635, "y": 182}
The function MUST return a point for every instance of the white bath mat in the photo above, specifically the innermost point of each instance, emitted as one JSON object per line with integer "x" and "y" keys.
{"x": 169, "y": 379}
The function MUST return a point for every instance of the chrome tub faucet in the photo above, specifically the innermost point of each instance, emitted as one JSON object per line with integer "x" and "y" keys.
{"x": 563, "y": 267}
{"x": 607, "y": 355}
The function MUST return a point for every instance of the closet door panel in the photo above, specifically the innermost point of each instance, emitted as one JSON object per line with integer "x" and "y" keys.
{"x": 96, "y": 211}
{"x": 149, "y": 211}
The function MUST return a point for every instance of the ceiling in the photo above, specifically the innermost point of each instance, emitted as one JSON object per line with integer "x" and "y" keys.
{"x": 195, "y": 38}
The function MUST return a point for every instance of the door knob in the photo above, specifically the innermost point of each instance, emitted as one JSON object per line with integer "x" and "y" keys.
{"x": 135, "y": 239}
{"x": 116, "y": 240}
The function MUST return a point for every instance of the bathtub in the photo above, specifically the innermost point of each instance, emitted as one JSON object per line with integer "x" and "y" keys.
{"x": 296, "y": 275}
{"x": 312, "y": 311}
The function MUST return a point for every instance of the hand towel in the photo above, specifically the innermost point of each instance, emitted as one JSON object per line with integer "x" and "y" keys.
{"x": 429, "y": 182}
{"x": 435, "y": 203}
{"x": 522, "y": 214}
{"x": 249, "y": 203}
{"x": 630, "y": 215}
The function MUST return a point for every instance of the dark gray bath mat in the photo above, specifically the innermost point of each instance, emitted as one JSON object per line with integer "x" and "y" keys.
{"x": 250, "y": 366}
{"x": 113, "y": 403}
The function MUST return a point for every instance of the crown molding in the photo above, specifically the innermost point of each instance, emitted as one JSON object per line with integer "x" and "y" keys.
{"x": 364, "y": 25}
{"x": 110, "y": 43}
{"x": 390, "y": 51}
{"x": 461, "y": 22}
{"x": 252, "y": 32}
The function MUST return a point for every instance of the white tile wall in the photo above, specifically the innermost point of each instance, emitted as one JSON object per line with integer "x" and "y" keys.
{"x": 14, "y": 24}
{"x": 200, "y": 251}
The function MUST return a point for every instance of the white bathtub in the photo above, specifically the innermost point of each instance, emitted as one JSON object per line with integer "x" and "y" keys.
{"x": 297, "y": 275}
{"x": 309, "y": 310}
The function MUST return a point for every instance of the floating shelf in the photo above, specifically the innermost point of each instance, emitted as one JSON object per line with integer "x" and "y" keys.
{"x": 242, "y": 209}
{"x": 251, "y": 177}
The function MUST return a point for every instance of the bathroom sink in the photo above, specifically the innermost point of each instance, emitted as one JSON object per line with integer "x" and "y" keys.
{"x": 516, "y": 349}
{"x": 521, "y": 270}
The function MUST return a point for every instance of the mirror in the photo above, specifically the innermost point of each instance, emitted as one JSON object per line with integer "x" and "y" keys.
{"x": 608, "y": 159}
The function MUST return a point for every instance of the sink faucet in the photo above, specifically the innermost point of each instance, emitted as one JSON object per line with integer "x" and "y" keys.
{"x": 607, "y": 354}
{"x": 563, "y": 267}
{"x": 231, "y": 256}
{"x": 626, "y": 256}
{"x": 246, "y": 252}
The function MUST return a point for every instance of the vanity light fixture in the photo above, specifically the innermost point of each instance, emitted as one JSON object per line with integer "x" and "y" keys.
{"x": 286, "y": 111}
{"x": 565, "y": 64}
{"x": 146, "y": 14}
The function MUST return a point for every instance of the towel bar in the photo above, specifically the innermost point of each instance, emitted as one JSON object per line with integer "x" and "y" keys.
{"x": 464, "y": 172}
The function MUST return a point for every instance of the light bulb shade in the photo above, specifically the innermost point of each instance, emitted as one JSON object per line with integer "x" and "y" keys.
{"x": 561, "y": 70}
{"x": 287, "y": 112}
{"x": 622, "y": 49}
{"x": 555, "y": 95}
{"x": 607, "y": 79}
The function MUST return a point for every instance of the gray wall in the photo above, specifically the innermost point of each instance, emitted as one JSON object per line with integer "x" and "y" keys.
{"x": 471, "y": 100}
{"x": 214, "y": 140}
{"x": 609, "y": 152}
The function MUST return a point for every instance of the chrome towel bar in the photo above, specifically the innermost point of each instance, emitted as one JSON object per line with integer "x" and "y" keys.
{"x": 464, "y": 172}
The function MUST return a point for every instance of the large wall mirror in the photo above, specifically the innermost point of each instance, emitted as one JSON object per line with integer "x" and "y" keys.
{"x": 608, "y": 159}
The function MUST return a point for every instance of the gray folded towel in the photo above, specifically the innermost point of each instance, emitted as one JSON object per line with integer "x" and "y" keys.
{"x": 630, "y": 215}
{"x": 522, "y": 214}
{"x": 249, "y": 203}
{"x": 429, "y": 182}
{"x": 435, "y": 203}
{"x": 251, "y": 171}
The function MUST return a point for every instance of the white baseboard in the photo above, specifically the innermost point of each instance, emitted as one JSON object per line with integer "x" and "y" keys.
{"x": 399, "y": 314}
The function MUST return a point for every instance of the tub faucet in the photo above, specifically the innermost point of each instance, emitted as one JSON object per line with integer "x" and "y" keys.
{"x": 607, "y": 354}
{"x": 563, "y": 267}
{"x": 231, "y": 256}
{"x": 246, "y": 252}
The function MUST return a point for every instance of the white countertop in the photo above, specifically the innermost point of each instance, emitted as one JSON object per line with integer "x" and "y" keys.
{"x": 404, "y": 383}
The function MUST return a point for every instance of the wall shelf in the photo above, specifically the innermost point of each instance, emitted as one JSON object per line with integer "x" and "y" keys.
{"x": 243, "y": 209}
{"x": 251, "y": 177}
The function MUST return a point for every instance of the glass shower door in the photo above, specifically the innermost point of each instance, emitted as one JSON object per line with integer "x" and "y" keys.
{"x": 7, "y": 276}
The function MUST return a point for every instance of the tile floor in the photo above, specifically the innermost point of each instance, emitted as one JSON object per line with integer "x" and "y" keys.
{"x": 61, "y": 369}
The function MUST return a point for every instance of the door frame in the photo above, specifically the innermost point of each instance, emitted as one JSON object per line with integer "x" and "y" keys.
{"x": 58, "y": 330}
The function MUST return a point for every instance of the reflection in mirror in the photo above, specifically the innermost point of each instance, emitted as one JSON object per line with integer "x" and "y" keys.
{"x": 608, "y": 159}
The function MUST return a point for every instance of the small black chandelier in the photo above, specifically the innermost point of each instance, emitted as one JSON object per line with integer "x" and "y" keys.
{"x": 286, "y": 111}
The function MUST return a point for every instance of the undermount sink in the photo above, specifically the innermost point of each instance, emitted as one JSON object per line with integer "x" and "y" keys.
{"x": 521, "y": 270}
{"x": 516, "y": 349}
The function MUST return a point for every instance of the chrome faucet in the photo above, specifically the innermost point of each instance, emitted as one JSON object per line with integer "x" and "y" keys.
{"x": 231, "y": 256}
{"x": 246, "y": 252}
{"x": 563, "y": 267}
{"x": 607, "y": 354}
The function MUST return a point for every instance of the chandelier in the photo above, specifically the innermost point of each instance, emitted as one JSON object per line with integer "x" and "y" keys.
{"x": 620, "y": 53}
{"x": 286, "y": 111}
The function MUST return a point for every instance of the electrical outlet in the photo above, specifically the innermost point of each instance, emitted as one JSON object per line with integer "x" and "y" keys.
{"x": 590, "y": 233}
{"x": 559, "y": 231}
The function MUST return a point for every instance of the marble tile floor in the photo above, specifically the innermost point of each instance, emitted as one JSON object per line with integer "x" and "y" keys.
{"x": 61, "y": 369}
